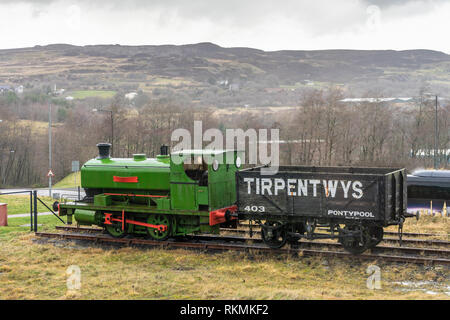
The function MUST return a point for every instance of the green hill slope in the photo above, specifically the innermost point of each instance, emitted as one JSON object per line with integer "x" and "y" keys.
{"x": 106, "y": 69}
{"x": 69, "y": 181}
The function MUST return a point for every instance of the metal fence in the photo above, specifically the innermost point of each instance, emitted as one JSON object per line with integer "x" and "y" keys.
{"x": 35, "y": 211}
{"x": 30, "y": 192}
{"x": 34, "y": 200}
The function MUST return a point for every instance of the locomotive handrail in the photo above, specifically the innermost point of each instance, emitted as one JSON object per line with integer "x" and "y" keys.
{"x": 135, "y": 195}
{"x": 123, "y": 166}
{"x": 254, "y": 168}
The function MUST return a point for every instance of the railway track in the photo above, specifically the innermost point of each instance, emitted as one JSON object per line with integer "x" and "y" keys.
{"x": 309, "y": 244}
{"x": 218, "y": 243}
{"x": 430, "y": 242}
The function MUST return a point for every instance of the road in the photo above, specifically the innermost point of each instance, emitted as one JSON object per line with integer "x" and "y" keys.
{"x": 26, "y": 215}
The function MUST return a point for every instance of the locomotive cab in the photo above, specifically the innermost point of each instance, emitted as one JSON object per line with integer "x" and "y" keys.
{"x": 203, "y": 179}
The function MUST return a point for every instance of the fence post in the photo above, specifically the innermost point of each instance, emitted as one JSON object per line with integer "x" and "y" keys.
{"x": 35, "y": 211}
{"x": 79, "y": 195}
{"x": 31, "y": 210}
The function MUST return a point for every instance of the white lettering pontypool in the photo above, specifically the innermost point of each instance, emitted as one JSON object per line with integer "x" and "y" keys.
{"x": 351, "y": 214}
{"x": 300, "y": 187}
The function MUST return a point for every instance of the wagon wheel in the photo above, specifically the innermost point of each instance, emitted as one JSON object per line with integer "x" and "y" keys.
{"x": 159, "y": 219}
{"x": 356, "y": 244}
{"x": 115, "y": 230}
{"x": 273, "y": 234}
{"x": 376, "y": 235}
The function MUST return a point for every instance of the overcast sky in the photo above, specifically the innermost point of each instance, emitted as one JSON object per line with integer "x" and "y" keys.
{"x": 262, "y": 24}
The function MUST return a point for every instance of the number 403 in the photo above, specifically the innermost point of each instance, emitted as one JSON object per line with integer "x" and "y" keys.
{"x": 255, "y": 208}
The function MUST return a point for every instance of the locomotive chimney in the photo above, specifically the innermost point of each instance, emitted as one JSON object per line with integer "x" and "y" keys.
{"x": 164, "y": 150}
{"x": 103, "y": 150}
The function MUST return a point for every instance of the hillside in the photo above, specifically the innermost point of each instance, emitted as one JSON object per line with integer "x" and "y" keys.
{"x": 208, "y": 67}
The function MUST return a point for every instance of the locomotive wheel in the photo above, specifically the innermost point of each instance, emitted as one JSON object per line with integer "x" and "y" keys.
{"x": 157, "y": 219}
{"x": 273, "y": 234}
{"x": 376, "y": 235}
{"x": 115, "y": 230}
{"x": 356, "y": 245}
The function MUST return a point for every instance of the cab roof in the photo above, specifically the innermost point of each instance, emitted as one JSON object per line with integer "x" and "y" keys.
{"x": 202, "y": 151}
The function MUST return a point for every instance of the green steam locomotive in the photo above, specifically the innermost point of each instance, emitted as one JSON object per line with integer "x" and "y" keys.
{"x": 187, "y": 192}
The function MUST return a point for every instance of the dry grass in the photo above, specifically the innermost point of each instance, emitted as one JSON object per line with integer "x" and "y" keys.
{"x": 37, "y": 270}
{"x": 269, "y": 111}
{"x": 32, "y": 268}
{"x": 48, "y": 63}
{"x": 83, "y": 94}
{"x": 176, "y": 81}
{"x": 37, "y": 127}
{"x": 427, "y": 224}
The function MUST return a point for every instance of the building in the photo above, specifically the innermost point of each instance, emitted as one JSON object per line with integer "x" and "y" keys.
{"x": 58, "y": 92}
{"x": 222, "y": 82}
{"x": 233, "y": 87}
{"x": 19, "y": 89}
{"x": 131, "y": 95}
{"x": 375, "y": 100}
{"x": 4, "y": 88}
{"x": 442, "y": 155}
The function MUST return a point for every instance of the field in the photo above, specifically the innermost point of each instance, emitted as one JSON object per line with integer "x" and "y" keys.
{"x": 83, "y": 94}
{"x": 38, "y": 270}
{"x": 37, "y": 127}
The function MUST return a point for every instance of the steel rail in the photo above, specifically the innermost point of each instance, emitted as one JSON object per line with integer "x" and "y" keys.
{"x": 302, "y": 243}
{"x": 395, "y": 240}
{"x": 437, "y": 242}
{"x": 77, "y": 228}
{"x": 419, "y": 250}
{"x": 211, "y": 246}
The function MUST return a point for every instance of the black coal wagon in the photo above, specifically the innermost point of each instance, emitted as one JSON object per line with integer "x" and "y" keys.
{"x": 350, "y": 204}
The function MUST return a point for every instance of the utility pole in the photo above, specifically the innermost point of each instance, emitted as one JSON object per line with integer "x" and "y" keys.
{"x": 49, "y": 147}
{"x": 112, "y": 134}
{"x": 436, "y": 135}
{"x": 436, "y": 130}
